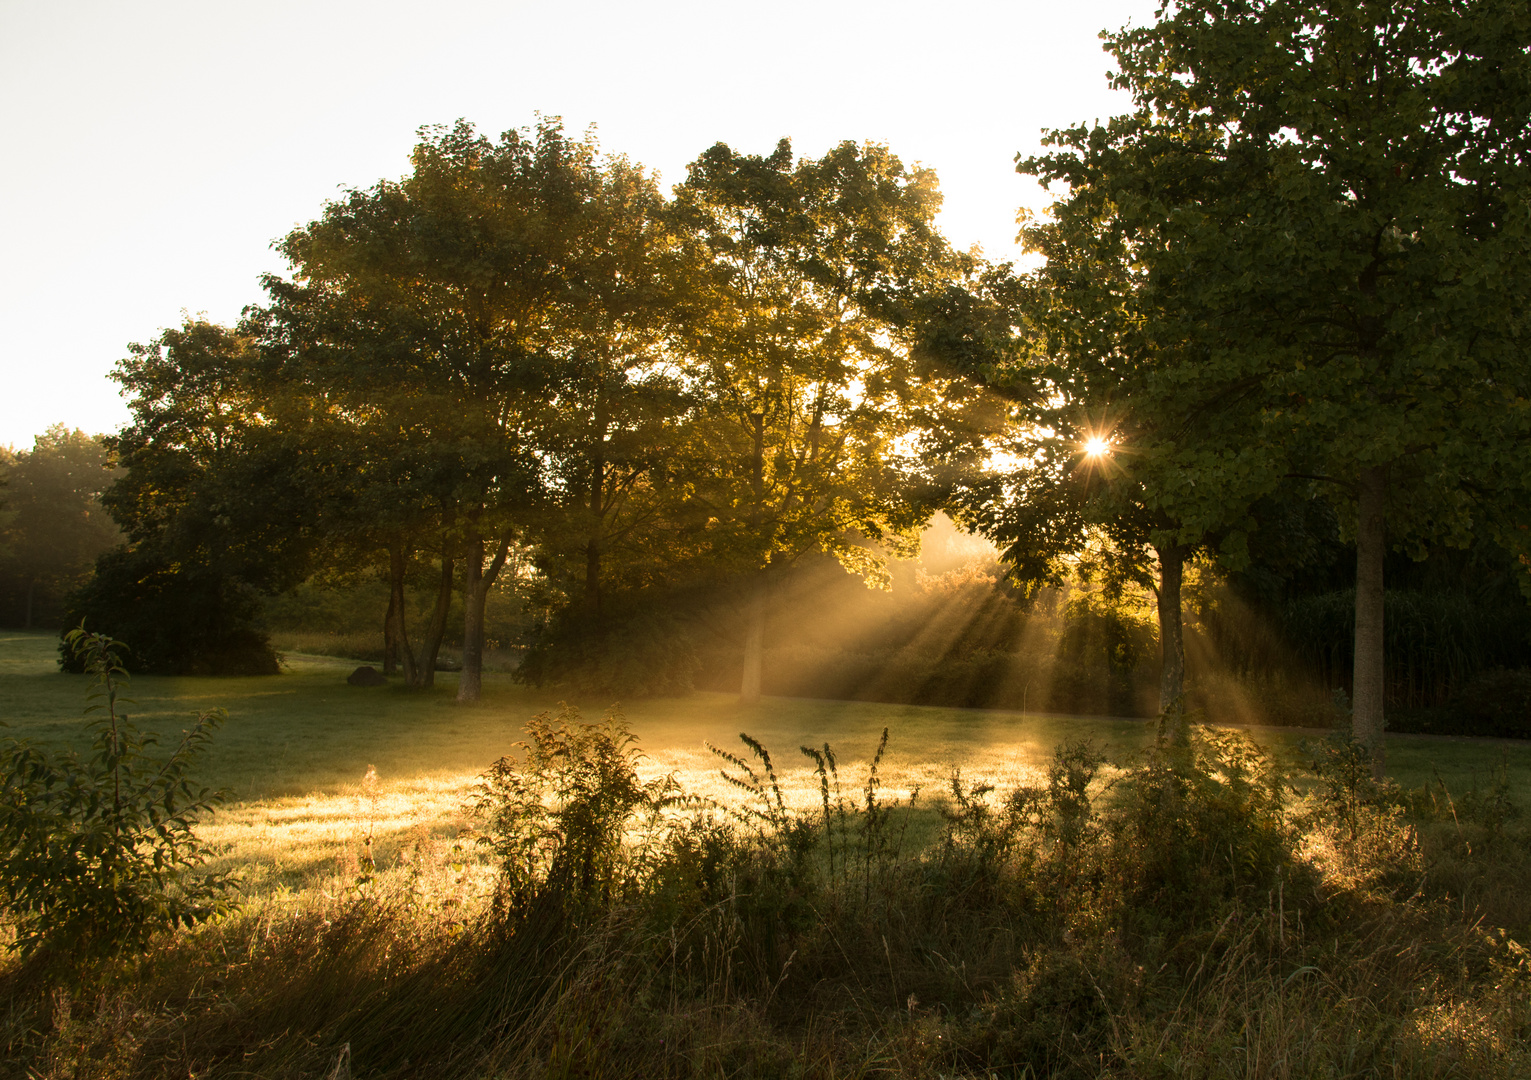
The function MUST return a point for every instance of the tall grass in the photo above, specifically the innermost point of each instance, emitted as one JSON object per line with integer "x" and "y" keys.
{"x": 1187, "y": 914}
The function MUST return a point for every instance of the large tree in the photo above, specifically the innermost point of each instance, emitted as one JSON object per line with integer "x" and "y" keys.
{"x": 1329, "y": 209}
{"x": 1114, "y": 406}
{"x": 1358, "y": 253}
{"x": 461, "y": 283}
{"x": 810, "y": 280}
{"x": 214, "y": 507}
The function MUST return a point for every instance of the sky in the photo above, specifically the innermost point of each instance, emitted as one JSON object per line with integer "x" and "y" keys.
{"x": 156, "y": 149}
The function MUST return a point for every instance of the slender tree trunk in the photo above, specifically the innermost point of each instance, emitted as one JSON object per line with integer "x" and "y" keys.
{"x": 754, "y": 640}
{"x": 398, "y": 631}
{"x": 755, "y": 614}
{"x": 390, "y": 647}
{"x": 475, "y": 595}
{"x": 1172, "y": 726}
{"x": 425, "y": 670}
{"x": 593, "y": 575}
{"x": 597, "y": 508}
{"x": 1371, "y": 546}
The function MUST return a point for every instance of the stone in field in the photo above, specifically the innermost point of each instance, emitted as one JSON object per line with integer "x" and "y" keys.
{"x": 366, "y": 676}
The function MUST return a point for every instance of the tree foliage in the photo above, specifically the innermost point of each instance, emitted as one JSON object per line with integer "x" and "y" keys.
{"x": 1301, "y": 256}
{"x": 52, "y": 524}
{"x": 813, "y": 309}
{"x": 214, "y": 503}
{"x": 482, "y": 334}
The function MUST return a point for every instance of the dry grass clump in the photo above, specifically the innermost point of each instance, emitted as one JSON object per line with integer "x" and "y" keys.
{"x": 1182, "y": 915}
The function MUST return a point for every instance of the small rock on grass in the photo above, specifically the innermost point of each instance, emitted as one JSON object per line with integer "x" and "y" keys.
{"x": 366, "y": 676}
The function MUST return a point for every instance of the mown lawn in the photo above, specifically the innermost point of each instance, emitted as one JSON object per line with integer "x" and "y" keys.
{"x": 296, "y": 747}
{"x": 305, "y": 731}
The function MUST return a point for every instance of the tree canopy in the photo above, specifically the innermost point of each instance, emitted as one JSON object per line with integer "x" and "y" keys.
{"x": 1301, "y": 257}
{"x": 1295, "y": 270}
{"x": 52, "y": 524}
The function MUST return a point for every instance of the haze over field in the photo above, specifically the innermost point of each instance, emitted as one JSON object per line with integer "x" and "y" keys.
{"x": 159, "y": 148}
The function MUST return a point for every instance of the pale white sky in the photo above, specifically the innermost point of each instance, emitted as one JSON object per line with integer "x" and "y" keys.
{"x": 155, "y": 149}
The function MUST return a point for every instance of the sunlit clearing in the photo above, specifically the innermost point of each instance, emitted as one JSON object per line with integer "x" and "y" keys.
{"x": 1096, "y": 446}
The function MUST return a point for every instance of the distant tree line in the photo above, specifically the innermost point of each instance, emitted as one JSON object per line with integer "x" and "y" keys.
{"x": 52, "y": 524}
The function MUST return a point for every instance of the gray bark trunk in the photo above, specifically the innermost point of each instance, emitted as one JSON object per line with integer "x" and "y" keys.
{"x": 1371, "y": 547}
{"x": 435, "y": 630}
{"x": 1172, "y": 724}
{"x": 475, "y": 596}
{"x": 396, "y": 644}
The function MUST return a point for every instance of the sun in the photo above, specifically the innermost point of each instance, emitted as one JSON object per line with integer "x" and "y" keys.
{"x": 1096, "y": 446}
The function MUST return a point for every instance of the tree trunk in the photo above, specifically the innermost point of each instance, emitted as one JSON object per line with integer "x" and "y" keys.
{"x": 597, "y": 510}
{"x": 425, "y": 670}
{"x": 755, "y": 613}
{"x": 1172, "y": 726}
{"x": 390, "y": 647}
{"x": 396, "y": 637}
{"x": 754, "y": 641}
{"x": 475, "y": 595}
{"x": 593, "y": 575}
{"x": 1371, "y": 546}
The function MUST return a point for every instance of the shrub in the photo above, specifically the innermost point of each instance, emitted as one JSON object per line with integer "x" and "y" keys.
{"x": 1436, "y": 643}
{"x": 1199, "y": 827}
{"x": 184, "y": 620}
{"x": 557, "y": 820}
{"x": 98, "y": 854}
{"x": 1498, "y": 702}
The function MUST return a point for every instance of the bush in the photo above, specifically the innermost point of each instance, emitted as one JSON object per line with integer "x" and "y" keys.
{"x": 1495, "y": 704}
{"x": 183, "y": 620}
{"x": 98, "y": 853}
{"x": 1199, "y": 828}
{"x": 557, "y": 821}
{"x": 1498, "y": 702}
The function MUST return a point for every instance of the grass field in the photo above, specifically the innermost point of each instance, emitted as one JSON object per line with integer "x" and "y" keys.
{"x": 1181, "y": 930}
{"x": 296, "y": 747}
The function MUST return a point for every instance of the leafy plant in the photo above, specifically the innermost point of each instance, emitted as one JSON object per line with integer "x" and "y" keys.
{"x": 97, "y": 855}
{"x": 558, "y": 819}
{"x": 1199, "y": 826}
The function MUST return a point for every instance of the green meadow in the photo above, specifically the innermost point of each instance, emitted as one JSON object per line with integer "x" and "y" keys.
{"x": 296, "y": 746}
{"x": 307, "y": 732}
{"x": 372, "y": 934}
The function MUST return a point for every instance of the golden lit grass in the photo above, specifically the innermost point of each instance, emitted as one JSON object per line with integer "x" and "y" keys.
{"x": 306, "y": 730}
{"x": 297, "y": 745}
{"x": 420, "y": 826}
